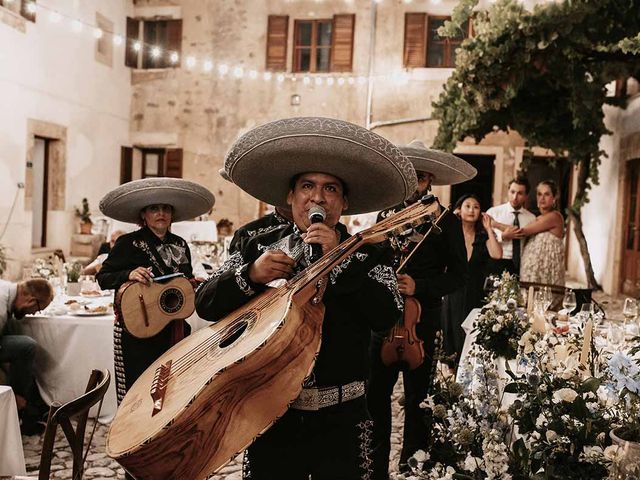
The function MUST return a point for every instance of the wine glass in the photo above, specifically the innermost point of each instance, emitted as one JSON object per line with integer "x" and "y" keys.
{"x": 548, "y": 297}
{"x": 569, "y": 302}
{"x": 630, "y": 309}
{"x": 615, "y": 335}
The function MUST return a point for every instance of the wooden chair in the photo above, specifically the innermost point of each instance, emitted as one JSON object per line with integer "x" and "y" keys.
{"x": 78, "y": 410}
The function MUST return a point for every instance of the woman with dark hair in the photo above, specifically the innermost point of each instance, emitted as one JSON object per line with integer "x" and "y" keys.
{"x": 481, "y": 245}
{"x": 149, "y": 252}
{"x": 543, "y": 255}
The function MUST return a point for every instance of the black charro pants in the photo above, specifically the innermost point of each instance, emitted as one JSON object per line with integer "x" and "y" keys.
{"x": 416, "y": 387}
{"x": 332, "y": 443}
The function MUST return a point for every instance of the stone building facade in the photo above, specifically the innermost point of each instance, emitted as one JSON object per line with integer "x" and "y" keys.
{"x": 235, "y": 67}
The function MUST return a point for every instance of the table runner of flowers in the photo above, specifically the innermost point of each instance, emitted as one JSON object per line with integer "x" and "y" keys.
{"x": 551, "y": 418}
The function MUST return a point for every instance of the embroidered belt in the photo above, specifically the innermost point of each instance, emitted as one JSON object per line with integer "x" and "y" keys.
{"x": 316, "y": 398}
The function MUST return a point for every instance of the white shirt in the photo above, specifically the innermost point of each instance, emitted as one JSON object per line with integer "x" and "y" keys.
{"x": 8, "y": 292}
{"x": 504, "y": 214}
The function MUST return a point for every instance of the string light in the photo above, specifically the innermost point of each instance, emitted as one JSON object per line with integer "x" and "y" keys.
{"x": 238, "y": 71}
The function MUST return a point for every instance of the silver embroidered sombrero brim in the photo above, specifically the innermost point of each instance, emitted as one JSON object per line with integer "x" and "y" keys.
{"x": 188, "y": 199}
{"x": 447, "y": 169}
{"x": 264, "y": 160}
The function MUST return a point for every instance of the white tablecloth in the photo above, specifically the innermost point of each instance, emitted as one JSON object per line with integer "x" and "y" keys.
{"x": 11, "y": 453}
{"x": 469, "y": 340}
{"x": 196, "y": 231}
{"x": 69, "y": 347}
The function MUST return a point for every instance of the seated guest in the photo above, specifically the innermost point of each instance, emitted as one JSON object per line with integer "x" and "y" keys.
{"x": 224, "y": 227}
{"x": 16, "y": 301}
{"x": 95, "y": 266}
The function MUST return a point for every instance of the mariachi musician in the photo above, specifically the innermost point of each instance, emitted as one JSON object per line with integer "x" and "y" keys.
{"x": 151, "y": 251}
{"x": 437, "y": 268}
{"x": 337, "y": 167}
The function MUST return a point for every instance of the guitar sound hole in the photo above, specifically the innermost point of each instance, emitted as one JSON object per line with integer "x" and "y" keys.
{"x": 234, "y": 333}
{"x": 171, "y": 300}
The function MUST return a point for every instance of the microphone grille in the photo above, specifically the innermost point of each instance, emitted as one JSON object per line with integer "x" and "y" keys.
{"x": 317, "y": 210}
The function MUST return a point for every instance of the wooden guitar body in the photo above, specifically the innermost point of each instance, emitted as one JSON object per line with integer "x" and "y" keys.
{"x": 146, "y": 310}
{"x": 243, "y": 372}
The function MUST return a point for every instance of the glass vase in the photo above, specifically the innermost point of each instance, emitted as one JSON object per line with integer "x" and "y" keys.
{"x": 626, "y": 465}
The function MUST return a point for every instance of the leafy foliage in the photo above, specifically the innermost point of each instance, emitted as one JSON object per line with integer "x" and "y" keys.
{"x": 543, "y": 74}
{"x": 85, "y": 213}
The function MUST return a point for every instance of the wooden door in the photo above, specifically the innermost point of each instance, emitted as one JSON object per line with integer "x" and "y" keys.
{"x": 630, "y": 271}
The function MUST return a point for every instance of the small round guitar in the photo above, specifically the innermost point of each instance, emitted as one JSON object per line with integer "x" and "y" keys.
{"x": 146, "y": 310}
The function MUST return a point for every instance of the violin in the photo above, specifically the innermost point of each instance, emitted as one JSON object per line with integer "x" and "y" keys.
{"x": 402, "y": 346}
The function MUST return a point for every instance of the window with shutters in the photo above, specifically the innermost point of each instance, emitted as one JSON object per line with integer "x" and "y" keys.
{"x": 24, "y": 8}
{"x": 323, "y": 45}
{"x": 153, "y": 43}
{"x": 423, "y": 47}
{"x": 137, "y": 163}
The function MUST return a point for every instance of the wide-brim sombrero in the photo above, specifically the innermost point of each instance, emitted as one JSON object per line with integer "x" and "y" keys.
{"x": 376, "y": 173}
{"x": 446, "y": 168}
{"x": 223, "y": 173}
{"x": 188, "y": 199}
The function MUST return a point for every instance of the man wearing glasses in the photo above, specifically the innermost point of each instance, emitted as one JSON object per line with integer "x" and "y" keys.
{"x": 16, "y": 301}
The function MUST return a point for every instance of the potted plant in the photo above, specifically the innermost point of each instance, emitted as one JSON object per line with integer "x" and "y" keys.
{"x": 73, "y": 279}
{"x": 85, "y": 217}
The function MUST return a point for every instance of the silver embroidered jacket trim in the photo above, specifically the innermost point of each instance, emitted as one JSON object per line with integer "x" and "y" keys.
{"x": 338, "y": 269}
{"x": 385, "y": 275}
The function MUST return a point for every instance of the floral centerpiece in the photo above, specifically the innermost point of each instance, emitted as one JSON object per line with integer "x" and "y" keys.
{"x": 501, "y": 323}
{"x": 469, "y": 428}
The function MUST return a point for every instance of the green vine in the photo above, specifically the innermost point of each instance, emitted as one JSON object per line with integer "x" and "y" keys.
{"x": 542, "y": 73}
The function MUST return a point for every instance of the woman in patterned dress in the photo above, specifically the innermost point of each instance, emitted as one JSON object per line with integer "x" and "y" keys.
{"x": 543, "y": 255}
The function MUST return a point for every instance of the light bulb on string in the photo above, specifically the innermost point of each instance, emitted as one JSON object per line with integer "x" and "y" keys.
{"x": 155, "y": 52}
{"x": 318, "y": 80}
{"x": 362, "y": 80}
{"x": 238, "y": 72}
{"x": 76, "y": 26}
{"x": 55, "y": 17}
{"x": 223, "y": 69}
{"x": 351, "y": 80}
{"x": 294, "y": 79}
{"x": 253, "y": 74}
{"x": 267, "y": 76}
{"x": 306, "y": 80}
{"x": 341, "y": 81}
{"x": 207, "y": 66}
{"x": 191, "y": 61}
{"x": 330, "y": 81}
{"x": 137, "y": 46}
{"x": 117, "y": 40}
{"x": 280, "y": 78}
{"x": 98, "y": 33}
{"x": 31, "y": 7}
{"x": 174, "y": 57}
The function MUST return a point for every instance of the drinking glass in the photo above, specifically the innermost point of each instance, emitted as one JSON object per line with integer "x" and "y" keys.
{"x": 615, "y": 335}
{"x": 569, "y": 302}
{"x": 630, "y": 309}
{"x": 548, "y": 297}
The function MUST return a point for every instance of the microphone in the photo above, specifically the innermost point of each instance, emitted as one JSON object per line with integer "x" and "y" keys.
{"x": 317, "y": 214}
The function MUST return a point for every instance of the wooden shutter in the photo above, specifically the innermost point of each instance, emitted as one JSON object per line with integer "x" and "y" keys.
{"x": 126, "y": 164}
{"x": 415, "y": 40}
{"x": 174, "y": 39}
{"x": 133, "y": 35}
{"x": 277, "y": 32}
{"x": 342, "y": 42}
{"x": 26, "y": 13}
{"x": 173, "y": 163}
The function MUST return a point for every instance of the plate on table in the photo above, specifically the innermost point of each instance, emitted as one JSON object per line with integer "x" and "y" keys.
{"x": 95, "y": 293}
{"x": 92, "y": 312}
